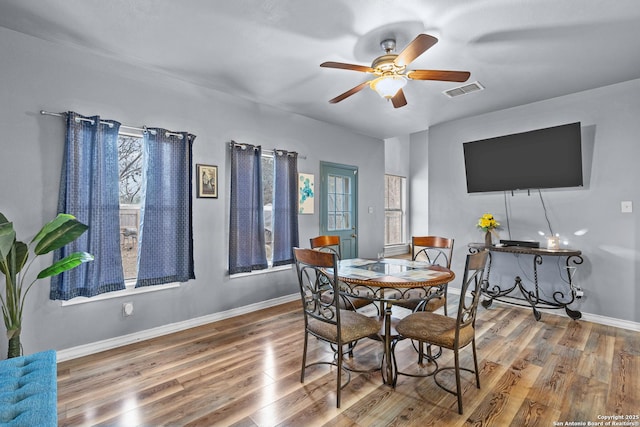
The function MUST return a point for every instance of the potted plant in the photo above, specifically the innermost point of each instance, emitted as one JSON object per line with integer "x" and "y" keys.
{"x": 488, "y": 224}
{"x": 14, "y": 254}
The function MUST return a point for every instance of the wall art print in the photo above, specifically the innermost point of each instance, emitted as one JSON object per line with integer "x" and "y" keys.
{"x": 306, "y": 193}
{"x": 207, "y": 181}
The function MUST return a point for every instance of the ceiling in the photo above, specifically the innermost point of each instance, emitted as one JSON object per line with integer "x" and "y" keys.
{"x": 269, "y": 51}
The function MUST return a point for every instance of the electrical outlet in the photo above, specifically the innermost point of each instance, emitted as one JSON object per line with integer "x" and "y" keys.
{"x": 127, "y": 309}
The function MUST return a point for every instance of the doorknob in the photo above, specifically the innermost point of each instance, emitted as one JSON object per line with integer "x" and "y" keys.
{"x": 354, "y": 235}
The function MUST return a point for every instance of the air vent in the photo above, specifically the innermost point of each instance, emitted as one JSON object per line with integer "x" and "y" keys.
{"x": 463, "y": 90}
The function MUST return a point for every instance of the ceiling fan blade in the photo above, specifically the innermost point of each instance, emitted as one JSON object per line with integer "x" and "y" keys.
{"x": 446, "y": 76}
{"x": 344, "y": 66}
{"x": 417, "y": 47}
{"x": 349, "y": 92}
{"x": 398, "y": 99}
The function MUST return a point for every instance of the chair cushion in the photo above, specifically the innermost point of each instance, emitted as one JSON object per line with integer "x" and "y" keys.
{"x": 434, "y": 328}
{"x": 353, "y": 302}
{"x": 350, "y": 304}
{"x": 432, "y": 305}
{"x": 357, "y": 302}
{"x": 435, "y": 304}
{"x": 354, "y": 326}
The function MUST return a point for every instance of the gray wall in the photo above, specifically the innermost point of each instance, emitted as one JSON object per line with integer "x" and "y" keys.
{"x": 419, "y": 187}
{"x": 588, "y": 218}
{"x": 38, "y": 75}
{"x": 396, "y": 162}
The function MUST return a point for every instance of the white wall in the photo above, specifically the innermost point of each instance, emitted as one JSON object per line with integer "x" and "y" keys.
{"x": 38, "y": 75}
{"x": 610, "y": 118}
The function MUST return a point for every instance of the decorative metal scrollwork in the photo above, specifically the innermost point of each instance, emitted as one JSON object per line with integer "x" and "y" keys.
{"x": 531, "y": 297}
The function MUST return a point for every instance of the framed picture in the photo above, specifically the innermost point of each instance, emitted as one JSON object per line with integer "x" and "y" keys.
{"x": 207, "y": 181}
{"x": 306, "y": 193}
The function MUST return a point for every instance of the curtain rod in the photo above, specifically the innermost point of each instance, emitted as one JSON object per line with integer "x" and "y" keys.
{"x": 139, "y": 129}
{"x": 270, "y": 150}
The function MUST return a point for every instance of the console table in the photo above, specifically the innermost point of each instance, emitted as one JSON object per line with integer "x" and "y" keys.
{"x": 532, "y": 297}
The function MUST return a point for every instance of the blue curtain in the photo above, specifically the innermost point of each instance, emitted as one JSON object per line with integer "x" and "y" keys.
{"x": 285, "y": 206}
{"x": 246, "y": 230}
{"x": 89, "y": 191}
{"x": 165, "y": 250}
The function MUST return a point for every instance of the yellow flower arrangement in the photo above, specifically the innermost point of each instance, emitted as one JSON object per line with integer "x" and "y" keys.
{"x": 487, "y": 222}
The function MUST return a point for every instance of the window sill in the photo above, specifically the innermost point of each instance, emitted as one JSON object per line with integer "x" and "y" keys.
{"x": 397, "y": 249}
{"x": 130, "y": 290}
{"x": 265, "y": 271}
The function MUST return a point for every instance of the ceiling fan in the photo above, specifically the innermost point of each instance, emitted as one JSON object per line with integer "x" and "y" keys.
{"x": 391, "y": 71}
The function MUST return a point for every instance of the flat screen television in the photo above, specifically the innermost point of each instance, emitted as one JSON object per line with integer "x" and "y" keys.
{"x": 542, "y": 158}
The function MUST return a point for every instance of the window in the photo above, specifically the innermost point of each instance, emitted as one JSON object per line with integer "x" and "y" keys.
{"x": 267, "y": 204}
{"x": 130, "y": 174}
{"x": 394, "y": 209}
{"x": 112, "y": 201}
{"x": 263, "y": 210}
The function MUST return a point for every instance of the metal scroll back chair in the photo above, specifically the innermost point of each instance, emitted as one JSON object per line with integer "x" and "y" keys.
{"x": 448, "y": 332}
{"x": 437, "y": 251}
{"x": 323, "y": 318}
{"x": 331, "y": 244}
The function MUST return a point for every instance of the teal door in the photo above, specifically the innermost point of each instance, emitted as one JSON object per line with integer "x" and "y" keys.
{"x": 338, "y": 205}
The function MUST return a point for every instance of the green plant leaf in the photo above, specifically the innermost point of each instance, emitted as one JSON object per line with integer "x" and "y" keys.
{"x": 7, "y": 237}
{"x": 16, "y": 259}
{"x": 58, "y": 233}
{"x": 52, "y": 225}
{"x": 67, "y": 263}
{"x": 3, "y": 218}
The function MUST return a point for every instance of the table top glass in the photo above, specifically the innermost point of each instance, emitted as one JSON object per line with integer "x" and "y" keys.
{"x": 392, "y": 271}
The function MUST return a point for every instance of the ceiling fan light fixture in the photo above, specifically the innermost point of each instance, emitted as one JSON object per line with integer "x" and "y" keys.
{"x": 390, "y": 71}
{"x": 388, "y": 86}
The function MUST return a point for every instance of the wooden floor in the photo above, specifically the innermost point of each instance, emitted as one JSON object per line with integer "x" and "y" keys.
{"x": 245, "y": 371}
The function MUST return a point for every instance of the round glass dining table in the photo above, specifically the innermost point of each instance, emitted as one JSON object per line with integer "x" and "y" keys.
{"x": 388, "y": 280}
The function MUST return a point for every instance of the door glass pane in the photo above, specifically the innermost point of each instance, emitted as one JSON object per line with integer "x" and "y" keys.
{"x": 339, "y": 203}
{"x": 331, "y": 223}
{"x": 332, "y": 184}
{"x": 332, "y": 202}
{"x": 346, "y": 218}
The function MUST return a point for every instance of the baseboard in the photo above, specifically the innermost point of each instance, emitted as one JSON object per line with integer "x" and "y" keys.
{"x": 96, "y": 347}
{"x": 610, "y": 321}
{"x": 594, "y": 318}
{"x": 108, "y": 344}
